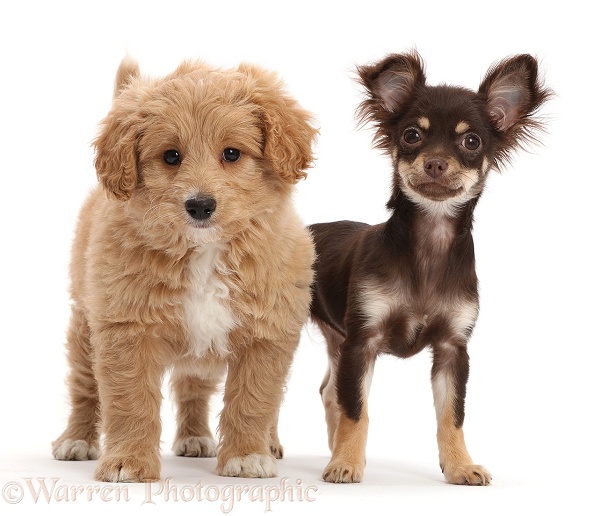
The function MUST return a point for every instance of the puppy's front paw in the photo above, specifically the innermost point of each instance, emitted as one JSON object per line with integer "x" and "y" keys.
{"x": 468, "y": 475}
{"x": 195, "y": 447}
{"x": 340, "y": 472}
{"x": 255, "y": 465}
{"x": 70, "y": 449}
{"x": 127, "y": 469}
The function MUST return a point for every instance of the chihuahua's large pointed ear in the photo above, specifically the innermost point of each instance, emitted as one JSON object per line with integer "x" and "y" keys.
{"x": 289, "y": 133}
{"x": 116, "y": 157}
{"x": 390, "y": 85}
{"x": 391, "y": 82}
{"x": 514, "y": 92}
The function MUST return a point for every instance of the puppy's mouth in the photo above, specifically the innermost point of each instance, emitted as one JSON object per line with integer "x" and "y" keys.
{"x": 200, "y": 211}
{"x": 201, "y": 224}
{"x": 201, "y": 228}
{"x": 202, "y": 234}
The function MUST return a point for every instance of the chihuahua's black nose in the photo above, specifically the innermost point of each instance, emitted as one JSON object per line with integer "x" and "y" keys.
{"x": 435, "y": 167}
{"x": 201, "y": 207}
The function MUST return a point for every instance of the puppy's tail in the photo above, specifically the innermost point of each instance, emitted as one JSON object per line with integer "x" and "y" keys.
{"x": 127, "y": 71}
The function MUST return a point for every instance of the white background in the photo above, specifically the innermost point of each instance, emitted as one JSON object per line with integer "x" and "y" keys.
{"x": 529, "y": 403}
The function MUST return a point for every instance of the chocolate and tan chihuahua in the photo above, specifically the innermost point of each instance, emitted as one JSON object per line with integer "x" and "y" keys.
{"x": 410, "y": 283}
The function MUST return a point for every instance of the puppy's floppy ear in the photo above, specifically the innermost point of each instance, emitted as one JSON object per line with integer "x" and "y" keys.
{"x": 288, "y": 130}
{"x": 116, "y": 157}
{"x": 514, "y": 92}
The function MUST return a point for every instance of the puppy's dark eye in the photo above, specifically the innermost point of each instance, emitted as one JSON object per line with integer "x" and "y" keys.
{"x": 172, "y": 157}
{"x": 231, "y": 155}
{"x": 411, "y": 136}
{"x": 471, "y": 142}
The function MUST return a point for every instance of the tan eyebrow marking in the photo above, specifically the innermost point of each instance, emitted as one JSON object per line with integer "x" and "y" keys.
{"x": 423, "y": 122}
{"x": 462, "y": 127}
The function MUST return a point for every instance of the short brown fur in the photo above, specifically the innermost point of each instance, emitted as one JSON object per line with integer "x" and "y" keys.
{"x": 410, "y": 283}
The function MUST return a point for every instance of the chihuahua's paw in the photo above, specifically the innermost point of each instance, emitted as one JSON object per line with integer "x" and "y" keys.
{"x": 70, "y": 449}
{"x": 113, "y": 468}
{"x": 195, "y": 447}
{"x": 340, "y": 472}
{"x": 255, "y": 465}
{"x": 468, "y": 475}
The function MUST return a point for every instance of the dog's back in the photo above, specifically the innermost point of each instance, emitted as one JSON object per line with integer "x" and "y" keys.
{"x": 334, "y": 268}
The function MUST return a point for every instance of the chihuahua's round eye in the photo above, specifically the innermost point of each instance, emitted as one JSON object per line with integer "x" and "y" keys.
{"x": 411, "y": 136}
{"x": 172, "y": 157}
{"x": 471, "y": 142}
{"x": 231, "y": 155}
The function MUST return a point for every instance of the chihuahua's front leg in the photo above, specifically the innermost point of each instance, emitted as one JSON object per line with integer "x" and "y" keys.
{"x": 449, "y": 376}
{"x": 353, "y": 376}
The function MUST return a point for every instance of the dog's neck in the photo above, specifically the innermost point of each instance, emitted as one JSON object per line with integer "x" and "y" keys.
{"x": 416, "y": 227}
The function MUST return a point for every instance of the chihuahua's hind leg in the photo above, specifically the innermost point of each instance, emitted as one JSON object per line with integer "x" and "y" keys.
{"x": 353, "y": 378}
{"x": 331, "y": 408}
{"x": 328, "y": 387}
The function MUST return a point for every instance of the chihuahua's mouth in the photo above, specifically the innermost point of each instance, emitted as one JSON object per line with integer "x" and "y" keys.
{"x": 436, "y": 190}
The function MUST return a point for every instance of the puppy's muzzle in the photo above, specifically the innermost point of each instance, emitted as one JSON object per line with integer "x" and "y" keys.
{"x": 201, "y": 207}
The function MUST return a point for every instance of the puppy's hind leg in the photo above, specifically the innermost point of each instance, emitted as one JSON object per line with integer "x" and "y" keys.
{"x": 448, "y": 378}
{"x": 276, "y": 448}
{"x": 80, "y": 440}
{"x": 192, "y": 395}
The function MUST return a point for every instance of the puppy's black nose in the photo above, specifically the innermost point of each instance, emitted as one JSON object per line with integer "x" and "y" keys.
{"x": 435, "y": 167}
{"x": 201, "y": 207}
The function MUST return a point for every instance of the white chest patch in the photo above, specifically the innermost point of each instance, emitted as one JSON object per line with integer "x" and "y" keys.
{"x": 378, "y": 303}
{"x": 208, "y": 314}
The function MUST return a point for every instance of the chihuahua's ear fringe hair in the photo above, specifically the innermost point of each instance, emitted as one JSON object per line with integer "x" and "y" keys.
{"x": 390, "y": 83}
{"x": 378, "y": 110}
{"x": 530, "y": 124}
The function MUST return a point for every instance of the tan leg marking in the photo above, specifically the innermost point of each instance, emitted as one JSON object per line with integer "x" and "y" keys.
{"x": 455, "y": 462}
{"x": 328, "y": 387}
{"x": 331, "y": 408}
{"x": 348, "y": 456}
